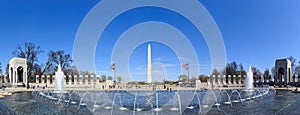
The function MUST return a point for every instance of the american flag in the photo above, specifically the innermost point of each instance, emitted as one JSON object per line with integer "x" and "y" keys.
{"x": 185, "y": 66}
{"x": 113, "y": 67}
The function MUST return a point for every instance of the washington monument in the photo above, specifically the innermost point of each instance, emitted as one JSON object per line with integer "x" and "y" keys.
{"x": 149, "y": 64}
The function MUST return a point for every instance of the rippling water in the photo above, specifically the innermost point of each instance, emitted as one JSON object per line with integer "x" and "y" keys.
{"x": 284, "y": 102}
{"x": 24, "y": 103}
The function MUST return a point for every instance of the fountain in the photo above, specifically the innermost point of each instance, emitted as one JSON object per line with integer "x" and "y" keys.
{"x": 249, "y": 80}
{"x": 159, "y": 102}
{"x": 151, "y": 102}
{"x": 59, "y": 80}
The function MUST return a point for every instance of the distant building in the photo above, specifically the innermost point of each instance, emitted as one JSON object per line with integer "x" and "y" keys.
{"x": 283, "y": 69}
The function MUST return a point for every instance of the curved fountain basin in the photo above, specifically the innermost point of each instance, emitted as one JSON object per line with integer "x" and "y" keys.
{"x": 159, "y": 101}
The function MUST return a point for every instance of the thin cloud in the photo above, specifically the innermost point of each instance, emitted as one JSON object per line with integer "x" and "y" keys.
{"x": 140, "y": 68}
{"x": 170, "y": 65}
{"x": 104, "y": 72}
{"x": 159, "y": 59}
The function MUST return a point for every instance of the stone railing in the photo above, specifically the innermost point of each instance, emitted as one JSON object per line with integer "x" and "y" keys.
{"x": 225, "y": 80}
{"x": 73, "y": 81}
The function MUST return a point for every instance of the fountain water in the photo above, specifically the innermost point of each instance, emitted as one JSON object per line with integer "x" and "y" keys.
{"x": 249, "y": 80}
{"x": 157, "y": 109}
{"x": 149, "y": 102}
{"x": 59, "y": 80}
{"x": 112, "y": 102}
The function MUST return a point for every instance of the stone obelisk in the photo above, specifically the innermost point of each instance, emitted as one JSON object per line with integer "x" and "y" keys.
{"x": 149, "y": 64}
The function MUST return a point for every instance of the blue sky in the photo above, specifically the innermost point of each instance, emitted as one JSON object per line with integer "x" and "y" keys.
{"x": 255, "y": 32}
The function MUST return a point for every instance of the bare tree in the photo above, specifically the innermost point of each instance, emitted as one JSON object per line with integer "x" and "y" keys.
{"x": 242, "y": 71}
{"x": 273, "y": 71}
{"x": 203, "y": 78}
{"x": 119, "y": 79}
{"x": 193, "y": 80}
{"x": 37, "y": 69}
{"x": 0, "y": 68}
{"x": 30, "y": 52}
{"x": 215, "y": 72}
{"x": 103, "y": 78}
{"x": 109, "y": 78}
{"x": 184, "y": 78}
{"x": 293, "y": 62}
{"x": 7, "y": 69}
{"x": 230, "y": 69}
{"x": 74, "y": 71}
{"x": 256, "y": 73}
{"x": 266, "y": 74}
{"x": 54, "y": 59}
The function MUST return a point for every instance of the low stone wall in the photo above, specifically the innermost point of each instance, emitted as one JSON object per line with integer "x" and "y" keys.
{"x": 72, "y": 81}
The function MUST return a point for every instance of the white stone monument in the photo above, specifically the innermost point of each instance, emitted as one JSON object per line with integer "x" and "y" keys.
{"x": 18, "y": 71}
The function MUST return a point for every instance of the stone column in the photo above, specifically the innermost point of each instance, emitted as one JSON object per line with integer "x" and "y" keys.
{"x": 15, "y": 78}
{"x": 75, "y": 79}
{"x": 83, "y": 80}
{"x": 224, "y": 80}
{"x": 86, "y": 80}
{"x": 229, "y": 79}
{"x": 219, "y": 80}
{"x": 70, "y": 80}
{"x": 25, "y": 76}
{"x": 43, "y": 79}
{"x": 37, "y": 79}
{"x": 10, "y": 75}
{"x": 239, "y": 79}
{"x": 80, "y": 80}
{"x": 208, "y": 81}
{"x": 48, "y": 79}
{"x": 92, "y": 80}
{"x": 97, "y": 81}
{"x": 211, "y": 80}
{"x": 53, "y": 79}
{"x": 234, "y": 79}
{"x": 65, "y": 80}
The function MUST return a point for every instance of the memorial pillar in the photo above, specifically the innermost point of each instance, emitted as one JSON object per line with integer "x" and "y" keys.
{"x": 48, "y": 79}
{"x": 219, "y": 80}
{"x": 70, "y": 80}
{"x": 80, "y": 80}
{"x": 229, "y": 79}
{"x": 65, "y": 80}
{"x": 37, "y": 80}
{"x": 75, "y": 79}
{"x": 86, "y": 80}
{"x": 93, "y": 80}
{"x": 234, "y": 79}
{"x": 43, "y": 79}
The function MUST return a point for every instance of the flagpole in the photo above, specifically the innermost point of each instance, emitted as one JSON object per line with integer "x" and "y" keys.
{"x": 113, "y": 68}
{"x": 188, "y": 69}
{"x": 115, "y": 75}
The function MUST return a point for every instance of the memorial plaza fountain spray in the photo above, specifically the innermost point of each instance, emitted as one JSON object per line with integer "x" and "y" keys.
{"x": 59, "y": 80}
{"x": 249, "y": 80}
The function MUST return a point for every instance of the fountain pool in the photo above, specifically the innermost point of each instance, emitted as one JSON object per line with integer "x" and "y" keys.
{"x": 153, "y": 102}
